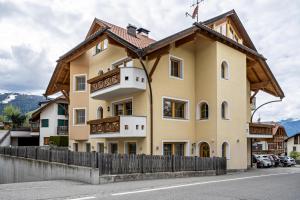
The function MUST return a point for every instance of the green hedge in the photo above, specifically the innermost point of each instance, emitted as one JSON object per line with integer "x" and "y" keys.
{"x": 60, "y": 141}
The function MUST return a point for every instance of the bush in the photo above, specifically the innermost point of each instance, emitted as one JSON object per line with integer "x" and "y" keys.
{"x": 295, "y": 155}
{"x": 60, "y": 141}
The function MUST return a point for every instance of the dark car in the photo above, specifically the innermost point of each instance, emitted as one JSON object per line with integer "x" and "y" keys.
{"x": 276, "y": 160}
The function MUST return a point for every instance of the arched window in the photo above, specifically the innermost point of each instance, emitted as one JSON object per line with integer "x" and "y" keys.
{"x": 225, "y": 150}
{"x": 224, "y": 110}
{"x": 204, "y": 149}
{"x": 204, "y": 110}
{"x": 224, "y": 70}
{"x": 100, "y": 113}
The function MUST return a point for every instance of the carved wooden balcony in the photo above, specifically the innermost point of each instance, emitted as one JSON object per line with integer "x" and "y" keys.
{"x": 257, "y": 130}
{"x": 117, "y": 82}
{"x": 119, "y": 126}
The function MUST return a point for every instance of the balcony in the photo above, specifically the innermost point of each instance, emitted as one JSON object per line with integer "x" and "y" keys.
{"x": 118, "y": 82}
{"x": 257, "y": 130}
{"x": 118, "y": 127}
{"x": 62, "y": 130}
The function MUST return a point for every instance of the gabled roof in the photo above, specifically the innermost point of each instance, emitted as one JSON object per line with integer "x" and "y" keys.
{"x": 139, "y": 41}
{"x": 292, "y": 136}
{"x": 143, "y": 46}
{"x": 237, "y": 22}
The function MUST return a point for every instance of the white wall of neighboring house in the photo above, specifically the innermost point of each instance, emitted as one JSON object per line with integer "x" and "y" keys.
{"x": 50, "y": 113}
{"x": 290, "y": 145}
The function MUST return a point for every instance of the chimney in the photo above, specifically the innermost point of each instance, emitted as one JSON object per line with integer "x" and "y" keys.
{"x": 143, "y": 32}
{"x": 131, "y": 30}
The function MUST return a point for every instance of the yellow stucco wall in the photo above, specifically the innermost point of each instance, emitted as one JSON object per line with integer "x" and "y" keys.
{"x": 201, "y": 82}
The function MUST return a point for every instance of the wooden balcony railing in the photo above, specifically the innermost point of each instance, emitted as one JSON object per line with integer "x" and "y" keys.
{"x": 62, "y": 130}
{"x": 35, "y": 129}
{"x": 105, "y": 80}
{"x": 260, "y": 129}
{"x": 110, "y": 124}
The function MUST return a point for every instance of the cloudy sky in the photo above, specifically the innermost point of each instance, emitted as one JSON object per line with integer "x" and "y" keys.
{"x": 34, "y": 33}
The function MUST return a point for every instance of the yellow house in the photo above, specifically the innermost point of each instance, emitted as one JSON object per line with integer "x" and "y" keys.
{"x": 187, "y": 94}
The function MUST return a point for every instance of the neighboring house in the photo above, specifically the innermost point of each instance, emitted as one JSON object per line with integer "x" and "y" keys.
{"x": 293, "y": 143}
{"x": 51, "y": 119}
{"x": 270, "y": 140}
{"x": 187, "y": 94}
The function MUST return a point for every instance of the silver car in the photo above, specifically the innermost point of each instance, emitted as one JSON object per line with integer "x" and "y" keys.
{"x": 263, "y": 162}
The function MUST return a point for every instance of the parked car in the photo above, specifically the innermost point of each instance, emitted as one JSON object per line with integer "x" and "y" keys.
{"x": 263, "y": 162}
{"x": 287, "y": 161}
{"x": 272, "y": 160}
{"x": 276, "y": 160}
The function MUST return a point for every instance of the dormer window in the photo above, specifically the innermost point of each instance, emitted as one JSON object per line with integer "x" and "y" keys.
{"x": 101, "y": 46}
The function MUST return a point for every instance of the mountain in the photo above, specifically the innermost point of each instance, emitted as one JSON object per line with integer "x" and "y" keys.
{"x": 24, "y": 102}
{"x": 292, "y": 126}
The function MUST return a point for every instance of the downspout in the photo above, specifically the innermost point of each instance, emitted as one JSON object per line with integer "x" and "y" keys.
{"x": 151, "y": 102}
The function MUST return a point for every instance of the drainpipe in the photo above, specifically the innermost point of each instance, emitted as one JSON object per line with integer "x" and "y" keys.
{"x": 151, "y": 104}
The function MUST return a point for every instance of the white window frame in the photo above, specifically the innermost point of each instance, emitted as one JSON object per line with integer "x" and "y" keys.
{"x": 121, "y": 101}
{"x": 187, "y": 108}
{"x": 228, "y": 71}
{"x": 74, "y": 82}
{"x": 186, "y": 142}
{"x": 74, "y": 113}
{"x": 182, "y": 67}
{"x": 198, "y": 111}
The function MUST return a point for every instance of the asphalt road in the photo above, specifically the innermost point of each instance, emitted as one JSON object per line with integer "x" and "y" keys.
{"x": 260, "y": 184}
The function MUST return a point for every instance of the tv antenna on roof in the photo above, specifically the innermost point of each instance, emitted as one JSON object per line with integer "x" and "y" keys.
{"x": 195, "y": 11}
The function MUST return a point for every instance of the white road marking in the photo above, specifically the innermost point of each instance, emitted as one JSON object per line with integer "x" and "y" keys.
{"x": 197, "y": 183}
{"x": 84, "y": 198}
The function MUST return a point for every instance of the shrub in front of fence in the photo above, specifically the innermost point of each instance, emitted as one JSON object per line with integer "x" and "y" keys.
{"x": 120, "y": 163}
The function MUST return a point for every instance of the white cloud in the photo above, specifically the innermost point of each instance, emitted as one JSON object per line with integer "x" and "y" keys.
{"x": 38, "y": 32}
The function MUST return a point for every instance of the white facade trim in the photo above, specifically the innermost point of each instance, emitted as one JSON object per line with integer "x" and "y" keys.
{"x": 198, "y": 111}
{"x": 198, "y": 147}
{"x": 74, "y": 82}
{"x": 85, "y": 118}
{"x": 187, "y": 146}
{"x": 182, "y": 67}
{"x": 187, "y": 108}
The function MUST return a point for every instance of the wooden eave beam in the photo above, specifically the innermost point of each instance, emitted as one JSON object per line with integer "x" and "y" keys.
{"x": 61, "y": 86}
{"x": 254, "y": 94}
{"x": 260, "y": 85}
{"x": 154, "y": 67}
{"x": 185, "y": 40}
{"x": 159, "y": 52}
{"x": 65, "y": 93}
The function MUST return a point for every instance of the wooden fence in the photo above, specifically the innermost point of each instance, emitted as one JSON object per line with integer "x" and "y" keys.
{"x": 120, "y": 163}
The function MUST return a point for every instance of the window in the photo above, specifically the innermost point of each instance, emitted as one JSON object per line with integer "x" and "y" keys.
{"x": 224, "y": 110}
{"x": 62, "y": 122}
{"x": 79, "y": 117}
{"x": 131, "y": 148}
{"x": 123, "y": 108}
{"x": 224, "y": 70}
{"x": 45, "y": 123}
{"x": 296, "y": 140}
{"x": 203, "y": 111}
{"x": 100, "y": 147}
{"x": 46, "y": 140}
{"x": 167, "y": 149}
{"x": 101, "y": 46}
{"x": 176, "y": 149}
{"x": 75, "y": 147}
{"x": 176, "y": 68}
{"x": 113, "y": 148}
{"x": 100, "y": 113}
{"x": 88, "y": 147}
{"x": 294, "y": 148}
{"x": 80, "y": 83}
{"x": 174, "y": 108}
{"x": 62, "y": 109}
{"x": 127, "y": 62}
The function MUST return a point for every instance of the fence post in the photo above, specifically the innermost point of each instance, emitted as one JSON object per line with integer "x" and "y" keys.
{"x": 100, "y": 163}
{"x": 50, "y": 155}
{"x": 36, "y": 153}
{"x": 173, "y": 163}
